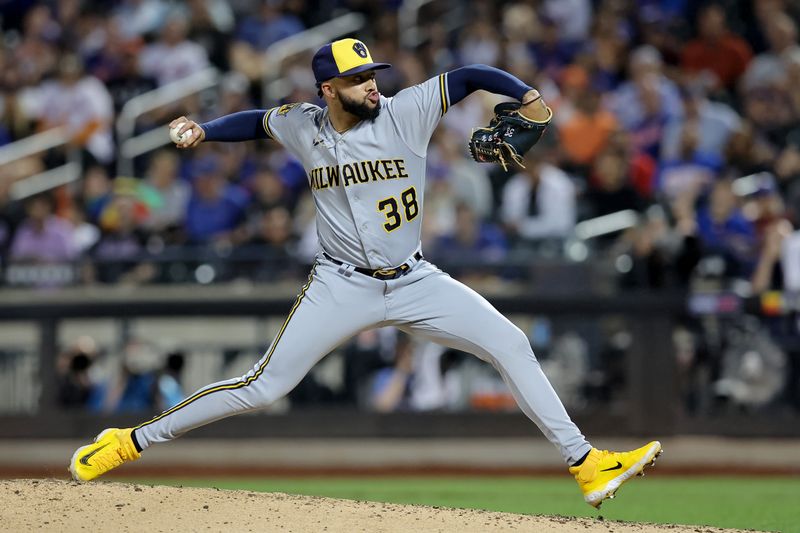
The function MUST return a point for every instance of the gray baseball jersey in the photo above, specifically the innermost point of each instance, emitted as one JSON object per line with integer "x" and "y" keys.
{"x": 368, "y": 187}
{"x": 368, "y": 183}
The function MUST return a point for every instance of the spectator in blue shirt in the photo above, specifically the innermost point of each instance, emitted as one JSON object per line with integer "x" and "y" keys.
{"x": 170, "y": 390}
{"x": 551, "y": 52}
{"x": 691, "y": 167}
{"x": 473, "y": 241}
{"x": 216, "y": 208}
{"x": 646, "y": 103}
{"x": 134, "y": 389}
{"x": 269, "y": 26}
{"x": 717, "y": 121}
{"x": 725, "y": 231}
{"x": 258, "y": 32}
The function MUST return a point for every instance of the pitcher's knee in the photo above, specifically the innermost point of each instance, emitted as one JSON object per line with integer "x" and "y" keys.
{"x": 260, "y": 395}
{"x": 515, "y": 344}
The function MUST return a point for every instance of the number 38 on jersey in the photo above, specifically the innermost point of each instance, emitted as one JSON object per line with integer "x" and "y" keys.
{"x": 394, "y": 210}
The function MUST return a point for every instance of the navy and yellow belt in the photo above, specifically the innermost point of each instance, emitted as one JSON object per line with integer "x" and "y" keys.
{"x": 380, "y": 273}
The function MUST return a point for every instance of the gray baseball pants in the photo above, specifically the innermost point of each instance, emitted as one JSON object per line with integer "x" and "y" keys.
{"x": 337, "y": 303}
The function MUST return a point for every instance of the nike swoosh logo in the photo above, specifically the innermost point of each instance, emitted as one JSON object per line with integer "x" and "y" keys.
{"x": 85, "y": 458}
{"x": 619, "y": 465}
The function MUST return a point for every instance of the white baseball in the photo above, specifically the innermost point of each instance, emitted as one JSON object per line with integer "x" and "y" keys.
{"x": 173, "y": 133}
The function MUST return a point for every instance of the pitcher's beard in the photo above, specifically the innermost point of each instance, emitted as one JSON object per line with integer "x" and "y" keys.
{"x": 361, "y": 110}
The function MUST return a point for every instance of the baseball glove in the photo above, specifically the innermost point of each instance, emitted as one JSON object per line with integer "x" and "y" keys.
{"x": 508, "y": 137}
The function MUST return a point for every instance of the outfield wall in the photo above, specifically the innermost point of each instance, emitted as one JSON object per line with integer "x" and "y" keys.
{"x": 647, "y": 399}
{"x": 308, "y": 457}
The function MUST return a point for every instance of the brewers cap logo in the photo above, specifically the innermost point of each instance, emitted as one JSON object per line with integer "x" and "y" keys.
{"x": 344, "y": 57}
{"x": 360, "y": 49}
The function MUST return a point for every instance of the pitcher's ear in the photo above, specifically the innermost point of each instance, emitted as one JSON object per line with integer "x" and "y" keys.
{"x": 326, "y": 89}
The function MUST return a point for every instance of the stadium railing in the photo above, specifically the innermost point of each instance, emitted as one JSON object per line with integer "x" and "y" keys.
{"x": 131, "y": 146}
{"x": 452, "y": 15}
{"x": 50, "y": 139}
{"x": 274, "y": 85}
{"x": 407, "y": 23}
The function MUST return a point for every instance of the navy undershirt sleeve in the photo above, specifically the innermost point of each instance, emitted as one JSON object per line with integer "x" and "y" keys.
{"x": 465, "y": 80}
{"x": 247, "y": 125}
{"x": 241, "y": 126}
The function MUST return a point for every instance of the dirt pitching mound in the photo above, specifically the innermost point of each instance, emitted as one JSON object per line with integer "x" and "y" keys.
{"x": 54, "y": 505}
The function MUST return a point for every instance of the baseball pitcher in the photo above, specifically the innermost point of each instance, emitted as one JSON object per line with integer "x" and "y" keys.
{"x": 365, "y": 155}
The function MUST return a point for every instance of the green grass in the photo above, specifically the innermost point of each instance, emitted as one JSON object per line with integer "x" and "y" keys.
{"x": 771, "y": 504}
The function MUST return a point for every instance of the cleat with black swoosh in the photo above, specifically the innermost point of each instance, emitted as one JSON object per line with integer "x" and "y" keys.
{"x": 110, "y": 449}
{"x": 602, "y": 473}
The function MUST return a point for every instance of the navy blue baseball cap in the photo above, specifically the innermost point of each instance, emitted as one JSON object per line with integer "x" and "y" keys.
{"x": 343, "y": 58}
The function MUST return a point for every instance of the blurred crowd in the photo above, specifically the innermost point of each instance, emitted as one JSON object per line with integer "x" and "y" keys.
{"x": 381, "y": 370}
{"x": 674, "y": 156}
{"x": 144, "y": 380}
{"x": 680, "y": 115}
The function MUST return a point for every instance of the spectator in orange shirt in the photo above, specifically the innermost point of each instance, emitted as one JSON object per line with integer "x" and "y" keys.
{"x": 588, "y": 128}
{"x": 716, "y": 50}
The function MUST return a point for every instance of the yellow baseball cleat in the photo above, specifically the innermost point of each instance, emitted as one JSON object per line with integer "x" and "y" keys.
{"x": 603, "y": 472}
{"x": 110, "y": 449}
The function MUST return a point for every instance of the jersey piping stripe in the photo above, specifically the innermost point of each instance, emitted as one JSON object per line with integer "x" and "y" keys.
{"x": 443, "y": 93}
{"x": 248, "y": 381}
{"x": 266, "y": 124}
